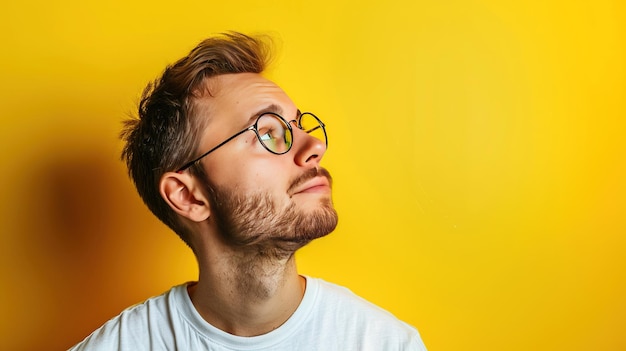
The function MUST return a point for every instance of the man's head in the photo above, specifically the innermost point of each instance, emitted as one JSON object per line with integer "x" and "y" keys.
{"x": 247, "y": 192}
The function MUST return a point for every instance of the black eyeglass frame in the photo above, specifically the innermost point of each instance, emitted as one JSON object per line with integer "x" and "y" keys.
{"x": 256, "y": 131}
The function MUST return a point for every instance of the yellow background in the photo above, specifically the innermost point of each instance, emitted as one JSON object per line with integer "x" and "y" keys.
{"x": 478, "y": 150}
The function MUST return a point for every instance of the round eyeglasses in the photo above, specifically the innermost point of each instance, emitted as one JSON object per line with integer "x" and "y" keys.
{"x": 275, "y": 133}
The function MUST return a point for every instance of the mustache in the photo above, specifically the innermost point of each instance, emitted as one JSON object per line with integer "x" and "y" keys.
{"x": 309, "y": 174}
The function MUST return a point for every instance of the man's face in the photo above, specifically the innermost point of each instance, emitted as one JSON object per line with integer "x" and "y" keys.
{"x": 277, "y": 203}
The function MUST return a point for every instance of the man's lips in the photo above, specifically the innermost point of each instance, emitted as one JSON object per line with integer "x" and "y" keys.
{"x": 313, "y": 180}
{"x": 315, "y": 185}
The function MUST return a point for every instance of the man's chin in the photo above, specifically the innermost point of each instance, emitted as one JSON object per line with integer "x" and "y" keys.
{"x": 319, "y": 223}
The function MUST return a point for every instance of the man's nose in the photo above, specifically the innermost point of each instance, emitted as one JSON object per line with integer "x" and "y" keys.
{"x": 308, "y": 149}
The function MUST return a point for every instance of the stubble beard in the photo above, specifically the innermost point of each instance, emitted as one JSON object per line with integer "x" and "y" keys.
{"x": 257, "y": 224}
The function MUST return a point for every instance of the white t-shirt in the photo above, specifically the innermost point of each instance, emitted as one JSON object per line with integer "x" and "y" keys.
{"x": 329, "y": 318}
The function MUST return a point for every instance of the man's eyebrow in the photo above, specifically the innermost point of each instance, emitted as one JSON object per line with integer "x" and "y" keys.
{"x": 271, "y": 108}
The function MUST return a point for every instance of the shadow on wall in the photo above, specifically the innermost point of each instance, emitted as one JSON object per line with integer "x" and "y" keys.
{"x": 74, "y": 231}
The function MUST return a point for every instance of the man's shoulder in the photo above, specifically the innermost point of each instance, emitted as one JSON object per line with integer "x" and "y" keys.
{"x": 342, "y": 298}
{"x": 132, "y": 323}
{"x": 355, "y": 317}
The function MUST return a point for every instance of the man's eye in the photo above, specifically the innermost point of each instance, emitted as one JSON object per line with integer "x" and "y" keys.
{"x": 267, "y": 136}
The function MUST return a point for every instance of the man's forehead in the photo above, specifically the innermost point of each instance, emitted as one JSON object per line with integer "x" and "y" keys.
{"x": 234, "y": 101}
{"x": 246, "y": 93}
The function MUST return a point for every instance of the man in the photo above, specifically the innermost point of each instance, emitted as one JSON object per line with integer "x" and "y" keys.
{"x": 223, "y": 157}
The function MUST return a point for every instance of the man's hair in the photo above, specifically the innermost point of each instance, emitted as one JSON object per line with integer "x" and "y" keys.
{"x": 165, "y": 133}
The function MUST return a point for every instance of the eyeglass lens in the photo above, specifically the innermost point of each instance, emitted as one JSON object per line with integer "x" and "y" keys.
{"x": 276, "y": 136}
{"x": 274, "y": 133}
{"x": 313, "y": 126}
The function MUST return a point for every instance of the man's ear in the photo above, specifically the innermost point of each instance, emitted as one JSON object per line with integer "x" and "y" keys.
{"x": 185, "y": 197}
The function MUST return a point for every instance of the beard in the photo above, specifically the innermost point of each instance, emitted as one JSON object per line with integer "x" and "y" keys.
{"x": 256, "y": 221}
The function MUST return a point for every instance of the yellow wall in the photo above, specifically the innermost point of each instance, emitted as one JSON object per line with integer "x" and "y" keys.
{"x": 478, "y": 149}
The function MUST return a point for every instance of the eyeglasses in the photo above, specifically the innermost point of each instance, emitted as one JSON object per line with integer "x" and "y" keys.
{"x": 275, "y": 133}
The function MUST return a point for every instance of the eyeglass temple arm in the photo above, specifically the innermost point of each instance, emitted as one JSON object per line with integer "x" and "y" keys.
{"x": 190, "y": 163}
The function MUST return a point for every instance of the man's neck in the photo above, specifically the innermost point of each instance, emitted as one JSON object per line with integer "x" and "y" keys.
{"x": 249, "y": 293}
